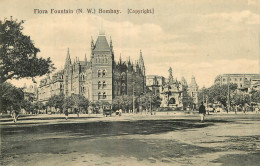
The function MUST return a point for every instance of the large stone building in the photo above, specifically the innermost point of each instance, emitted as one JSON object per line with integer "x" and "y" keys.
{"x": 245, "y": 82}
{"x": 174, "y": 93}
{"x": 99, "y": 79}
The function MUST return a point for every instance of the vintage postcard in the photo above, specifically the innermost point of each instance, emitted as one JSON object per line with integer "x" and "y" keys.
{"x": 134, "y": 82}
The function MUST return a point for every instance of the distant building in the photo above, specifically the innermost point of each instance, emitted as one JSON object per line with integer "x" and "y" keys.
{"x": 99, "y": 79}
{"x": 193, "y": 90}
{"x": 155, "y": 83}
{"x": 255, "y": 83}
{"x": 173, "y": 93}
{"x": 30, "y": 92}
{"x": 244, "y": 81}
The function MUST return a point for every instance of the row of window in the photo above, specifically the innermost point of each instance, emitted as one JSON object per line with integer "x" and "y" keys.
{"x": 102, "y": 95}
{"x": 102, "y": 73}
{"x": 235, "y": 79}
{"x": 102, "y": 85}
{"x": 101, "y": 60}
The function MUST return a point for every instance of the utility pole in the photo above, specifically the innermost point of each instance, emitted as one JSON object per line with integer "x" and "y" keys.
{"x": 228, "y": 97}
{"x": 133, "y": 96}
{"x": 203, "y": 98}
{"x": 150, "y": 104}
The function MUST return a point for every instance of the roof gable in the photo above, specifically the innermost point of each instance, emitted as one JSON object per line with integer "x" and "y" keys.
{"x": 101, "y": 44}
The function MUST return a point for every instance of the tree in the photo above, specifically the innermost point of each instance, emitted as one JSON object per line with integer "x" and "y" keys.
{"x": 11, "y": 97}
{"x": 28, "y": 106}
{"x": 217, "y": 93}
{"x": 18, "y": 54}
{"x": 76, "y": 101}
{"x": 256, "y": 97}
{"x": 56, "y": 101}
{"x": 124, "y": 102}
{"x": 148, "y": 99}
{"x": 82, "y": 102}
{"x": 187, "y": 100}
{"x": 240, "y": 99}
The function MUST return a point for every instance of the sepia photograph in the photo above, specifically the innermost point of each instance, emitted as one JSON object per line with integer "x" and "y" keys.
{"x": 129, "y": 83}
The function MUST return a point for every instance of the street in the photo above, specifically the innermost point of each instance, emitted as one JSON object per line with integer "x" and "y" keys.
{"x": 223, "y": 139}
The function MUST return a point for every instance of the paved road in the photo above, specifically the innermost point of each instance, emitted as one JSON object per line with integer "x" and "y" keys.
{"x": 173, "y": 139}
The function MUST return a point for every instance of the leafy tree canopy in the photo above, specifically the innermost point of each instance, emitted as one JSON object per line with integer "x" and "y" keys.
{"x": 217, "y": 93}
{"x": 76, "y": 101}
{"x": 18, "y": 54}
{"x": 56, "y": 101}
{"x": 11, "y": 97}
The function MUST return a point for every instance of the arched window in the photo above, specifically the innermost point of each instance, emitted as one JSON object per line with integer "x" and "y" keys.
{"x": 116, "y": 88}
{"x": 96, "y": 60}
{"x": 104, "y": 84}
{"x": 104, "y": 73}
{"x": 104, "y": 95}
{"x": 99, "y": 84}
{"x": 99, "y": 73}
{"x": 123, "y": 76}
{"x": 99, "y": 95}
{"x": 123, "y": 87}
{"x": 172, "y": 101}
{"x": 105, "y": 60}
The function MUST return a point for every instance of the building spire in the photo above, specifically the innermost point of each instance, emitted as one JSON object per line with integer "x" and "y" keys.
{"x": 170, "y": 79}
{"x": 141, "y": 62}
{"x": 68, "y": 60}
{"x": 193, "y": 82}
{"x": 86, "y": 57}
{"x": 120, "y": 59}
{"x": 111, "y": 44}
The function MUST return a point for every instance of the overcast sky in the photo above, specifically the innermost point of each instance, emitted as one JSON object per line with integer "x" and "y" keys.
{"x": 203, "y": 38}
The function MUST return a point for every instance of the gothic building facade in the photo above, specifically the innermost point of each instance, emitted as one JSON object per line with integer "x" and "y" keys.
{"x": 174, "y": 93}
{"x": 99, "y": 79}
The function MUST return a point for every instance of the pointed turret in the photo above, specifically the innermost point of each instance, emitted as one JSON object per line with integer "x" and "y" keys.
{"x": 111, "y": 44}
{"x": 141, "y": 62}
{"x": 193, "y": 83}
{"x": 68, "y": 60}
{"x": 129, "y": 61}
{"x": 183, "y": 81}
{"x": 120, "y": 59}
{"x": 86, "y": 60}
{"x": 92, "y": 45}
{"x": 170, "y": 79}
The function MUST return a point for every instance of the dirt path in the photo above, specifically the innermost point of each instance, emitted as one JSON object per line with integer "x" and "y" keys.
{"x": 183, "y": 140}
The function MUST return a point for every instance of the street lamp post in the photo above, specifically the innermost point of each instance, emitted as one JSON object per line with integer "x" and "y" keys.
{"x": 133, "y": 96}
{"x": 150, "y": 104}
{"x": 228, "y": 97}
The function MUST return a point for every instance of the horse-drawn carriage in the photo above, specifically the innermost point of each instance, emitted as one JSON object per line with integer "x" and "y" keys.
{"x": 107, "y": 110}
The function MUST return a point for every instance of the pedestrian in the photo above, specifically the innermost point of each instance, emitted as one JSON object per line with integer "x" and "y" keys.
{"x": 66, "y": 112}
{"x": 236, "y": 109}
{"x": 117, "y": 112}
{"x": 77, "y": 112}
{"x": 120, "y": 112}
{"x": 257, "y": 110}
{"x": 202, "y": 112}
{"x": 244, "y": 109}
{"x": 15, "y": 115}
